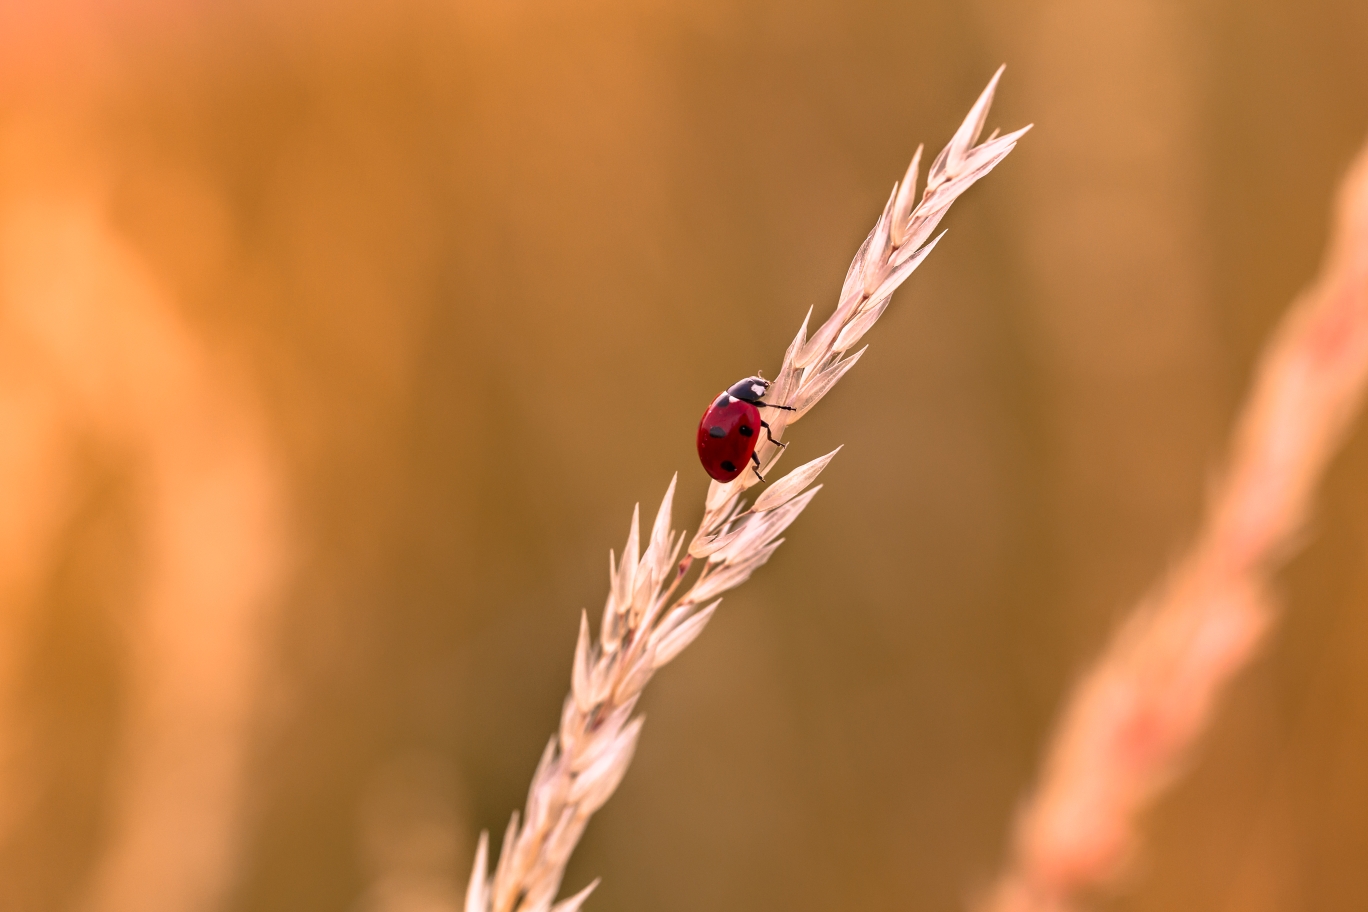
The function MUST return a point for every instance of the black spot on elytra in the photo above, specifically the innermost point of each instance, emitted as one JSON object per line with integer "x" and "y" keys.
{"x": 728, "y": 466}
{"x": 716, "y": 431}
{"x": 745, "y": 430}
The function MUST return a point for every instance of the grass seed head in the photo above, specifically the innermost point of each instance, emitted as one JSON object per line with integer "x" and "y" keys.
{"x": 648, "y": 619}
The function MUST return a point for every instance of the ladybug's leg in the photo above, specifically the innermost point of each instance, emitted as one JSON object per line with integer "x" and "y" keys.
{"x": 787, "y": 408}
{"x": 765, "y": 425}
{"x": 756, "y": 468}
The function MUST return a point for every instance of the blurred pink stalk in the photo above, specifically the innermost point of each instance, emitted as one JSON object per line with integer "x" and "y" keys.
{"x": 106, "y": 357}
{"x": 1134, "y": 715}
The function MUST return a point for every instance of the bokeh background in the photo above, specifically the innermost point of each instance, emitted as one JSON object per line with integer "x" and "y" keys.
{"x": 338, "y": 340}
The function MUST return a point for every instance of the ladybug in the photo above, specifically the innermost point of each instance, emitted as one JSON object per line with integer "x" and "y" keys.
{"x": 727, "y": 433}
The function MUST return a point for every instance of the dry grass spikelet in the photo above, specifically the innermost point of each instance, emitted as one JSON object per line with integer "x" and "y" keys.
{"x": 651, "y": 615}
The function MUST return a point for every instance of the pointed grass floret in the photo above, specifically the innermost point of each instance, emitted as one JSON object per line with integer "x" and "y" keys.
{"x": 657, "y": 604}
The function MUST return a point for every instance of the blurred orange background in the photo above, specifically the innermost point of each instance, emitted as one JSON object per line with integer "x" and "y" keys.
{"x": 338, "y": 340}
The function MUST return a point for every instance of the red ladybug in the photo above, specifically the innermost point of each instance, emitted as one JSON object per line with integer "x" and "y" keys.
{"x": 727, "y": 433}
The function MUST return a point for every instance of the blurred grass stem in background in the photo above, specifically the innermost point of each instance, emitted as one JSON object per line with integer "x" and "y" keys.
{"x": 1136, "y": 714}
{"x": 642, "y": 628}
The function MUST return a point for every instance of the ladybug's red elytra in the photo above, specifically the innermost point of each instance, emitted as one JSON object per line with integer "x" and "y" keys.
{"x": 727, "y": 435}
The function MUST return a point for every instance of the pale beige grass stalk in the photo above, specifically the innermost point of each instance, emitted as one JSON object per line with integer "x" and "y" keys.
{"x": 1134, "y": 716}
{"x": 647, "y": 620}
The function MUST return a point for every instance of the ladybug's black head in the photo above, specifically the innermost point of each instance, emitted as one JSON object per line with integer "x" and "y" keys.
{"x": 752, "y": 389}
